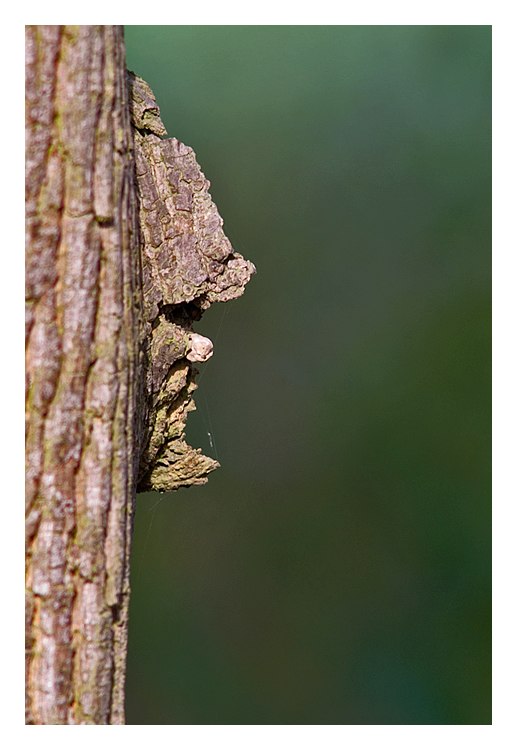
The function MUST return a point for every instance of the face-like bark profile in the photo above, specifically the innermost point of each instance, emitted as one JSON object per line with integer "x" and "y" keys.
{"x": 188, "y": 263}
{"x": 124, "y": 250}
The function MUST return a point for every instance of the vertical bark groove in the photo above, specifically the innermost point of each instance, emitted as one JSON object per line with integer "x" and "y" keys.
{"x": 83, "y": 334}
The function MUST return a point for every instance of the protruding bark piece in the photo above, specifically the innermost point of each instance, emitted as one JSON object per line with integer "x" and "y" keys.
{"x": 188, "y": 263}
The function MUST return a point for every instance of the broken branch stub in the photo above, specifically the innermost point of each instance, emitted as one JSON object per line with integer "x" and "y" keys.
{"x": 187, "y": 264}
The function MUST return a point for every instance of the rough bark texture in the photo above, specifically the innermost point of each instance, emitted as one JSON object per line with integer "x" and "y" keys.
{"x": 188, "y": 263}
{"x": 116, "y": 271}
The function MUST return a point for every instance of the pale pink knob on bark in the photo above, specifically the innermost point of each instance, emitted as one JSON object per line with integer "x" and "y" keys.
{"x": 201, "y": 348}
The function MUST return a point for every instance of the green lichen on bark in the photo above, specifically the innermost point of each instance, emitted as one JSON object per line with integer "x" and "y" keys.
{"x": 187, "y": 264}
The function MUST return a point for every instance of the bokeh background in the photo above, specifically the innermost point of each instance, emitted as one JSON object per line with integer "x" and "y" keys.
{"x": 336, "y": 569}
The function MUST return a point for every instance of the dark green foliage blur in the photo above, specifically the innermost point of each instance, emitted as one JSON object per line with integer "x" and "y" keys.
{"x": 336, "y": 569}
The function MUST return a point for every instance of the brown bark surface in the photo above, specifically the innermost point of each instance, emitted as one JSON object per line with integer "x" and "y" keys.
{"x": 119, "y": 262}
{"x": 188, "y": 263}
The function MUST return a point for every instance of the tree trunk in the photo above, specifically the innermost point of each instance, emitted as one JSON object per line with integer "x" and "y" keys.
{"x": 124, "y": 250}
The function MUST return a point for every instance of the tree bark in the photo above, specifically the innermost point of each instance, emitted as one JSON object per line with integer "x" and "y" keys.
{"x": 124, "y": 250}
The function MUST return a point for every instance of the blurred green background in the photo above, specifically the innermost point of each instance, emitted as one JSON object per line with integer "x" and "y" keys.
{"x": 336, "y": 569}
